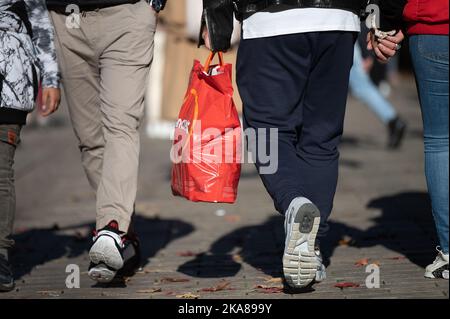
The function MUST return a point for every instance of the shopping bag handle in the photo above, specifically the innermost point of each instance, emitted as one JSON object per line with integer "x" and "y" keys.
{"x": 211, "y": 57}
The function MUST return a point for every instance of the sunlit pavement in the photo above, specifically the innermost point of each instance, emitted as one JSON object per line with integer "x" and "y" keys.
{"x": 381, "y": 227}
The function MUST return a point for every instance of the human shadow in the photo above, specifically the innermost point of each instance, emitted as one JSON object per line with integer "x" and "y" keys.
{"x": 260, "y": 246}
{"x": 405, "y": 226}
{"x": 40, "y": 246}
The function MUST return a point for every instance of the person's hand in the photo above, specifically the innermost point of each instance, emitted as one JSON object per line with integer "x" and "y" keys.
{"x": 386, "y": 48}
{"x": 205, "y": 36}
{"x": 50, "y": 101}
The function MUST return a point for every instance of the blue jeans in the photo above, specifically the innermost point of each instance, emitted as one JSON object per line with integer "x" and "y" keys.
{"x": 430, "y": 59}
{"x": 365, "y": 90}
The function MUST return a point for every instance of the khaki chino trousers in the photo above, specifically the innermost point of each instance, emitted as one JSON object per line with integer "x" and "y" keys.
{"x": 105, "y": 61}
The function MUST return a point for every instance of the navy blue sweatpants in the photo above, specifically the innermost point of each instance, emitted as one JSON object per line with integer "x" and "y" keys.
{"x": 298, "y": 84}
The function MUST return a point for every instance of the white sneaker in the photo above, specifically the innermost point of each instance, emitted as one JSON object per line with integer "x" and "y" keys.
{"x": 300, "y": 261}
{"x": 439, "y": 268}
{"x": 106, "y": 255}
{"x": 321, "y": 273}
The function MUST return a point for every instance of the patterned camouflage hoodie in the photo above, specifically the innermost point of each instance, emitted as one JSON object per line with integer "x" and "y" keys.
{"x": 27, "y": 55}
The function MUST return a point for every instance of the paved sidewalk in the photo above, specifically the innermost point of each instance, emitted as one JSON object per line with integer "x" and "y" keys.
{"x": 382, "y": 216}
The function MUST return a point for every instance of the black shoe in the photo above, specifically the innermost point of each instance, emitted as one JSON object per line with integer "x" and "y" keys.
{"x": 6, "y": 275}
{"x": 397, "y": 129}
{"x": 131, "y": 255}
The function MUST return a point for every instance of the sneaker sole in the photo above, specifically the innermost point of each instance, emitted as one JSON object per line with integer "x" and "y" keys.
{"x": 434, "y": 275}
{"x": 300, "y": 269}
{"x": 105, "y": 251}
{"x": 7, "y": 287}
{"x": 102, "y": 274}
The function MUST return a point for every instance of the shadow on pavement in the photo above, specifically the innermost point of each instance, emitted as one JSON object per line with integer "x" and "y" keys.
{"x": 405, "y": 227}
{"x": 36, "y": 247}
{"x": 260, "y": 246}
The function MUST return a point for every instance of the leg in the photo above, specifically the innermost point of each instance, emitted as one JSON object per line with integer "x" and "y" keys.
{"x": 430, "y": 59}
{"x": 324, "y": 106}
{"x": 363, "y": 88}
{"x": 81, "y": 82}
{"x": 283, "y": 82}
{"x": 124, "y": 67}
{"x": 9, "y": 138}
{"x": 272, "y": 74}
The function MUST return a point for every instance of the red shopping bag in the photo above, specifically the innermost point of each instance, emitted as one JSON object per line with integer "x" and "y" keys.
{"x": 206, "y": 152}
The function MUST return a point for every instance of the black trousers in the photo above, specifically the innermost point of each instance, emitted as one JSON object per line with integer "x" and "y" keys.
{"x": 297, "y": 84}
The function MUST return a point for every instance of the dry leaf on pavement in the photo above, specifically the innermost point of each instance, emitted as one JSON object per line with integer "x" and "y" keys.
{"x": 187, "y": 254}
{"x": 274, "y": 280}
{"x": 362, "y": 262}
{"x": 343, "y": 285}
{"x": 188, "y": 296}
{"x": 397, "y": 258}
{"x": 233, "y": 218}
{"x": 269, "y": 290}
{"x": 346, "y": 241}
{"x": 149, "y": 291}
{"x": 221, "y": 286}
{"x": 237, "y": 258}
{"x": 172, "y": 280}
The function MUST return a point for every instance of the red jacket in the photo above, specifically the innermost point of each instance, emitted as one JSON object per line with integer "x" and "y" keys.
{"x": 427, "y": 16}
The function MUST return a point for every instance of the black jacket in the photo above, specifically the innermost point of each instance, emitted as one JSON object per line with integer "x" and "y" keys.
{"x": 391, "y": 14}
{"x": 218, "y": 16}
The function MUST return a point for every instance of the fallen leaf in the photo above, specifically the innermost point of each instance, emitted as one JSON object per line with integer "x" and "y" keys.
{"x": 51, "y": 293}
{"x": 143, "y": 271}
{"x": 346, "y": 241}
{"x": 237, "y": 258}
{"x": 362, "y": 262}
{"x": 232, "y": 218}
{"x": 269, "y": 289}
{"x": 222, "y": 286}
{"x": 149, "y": 291}
{"x": 397, "y": 258}
{"x": 171, "y": 280}
{"x": 187, "y": 254}
{"x": 274, "y": 280}
{"x": 343, "y": 285}
{"x": 188, "y": 296}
